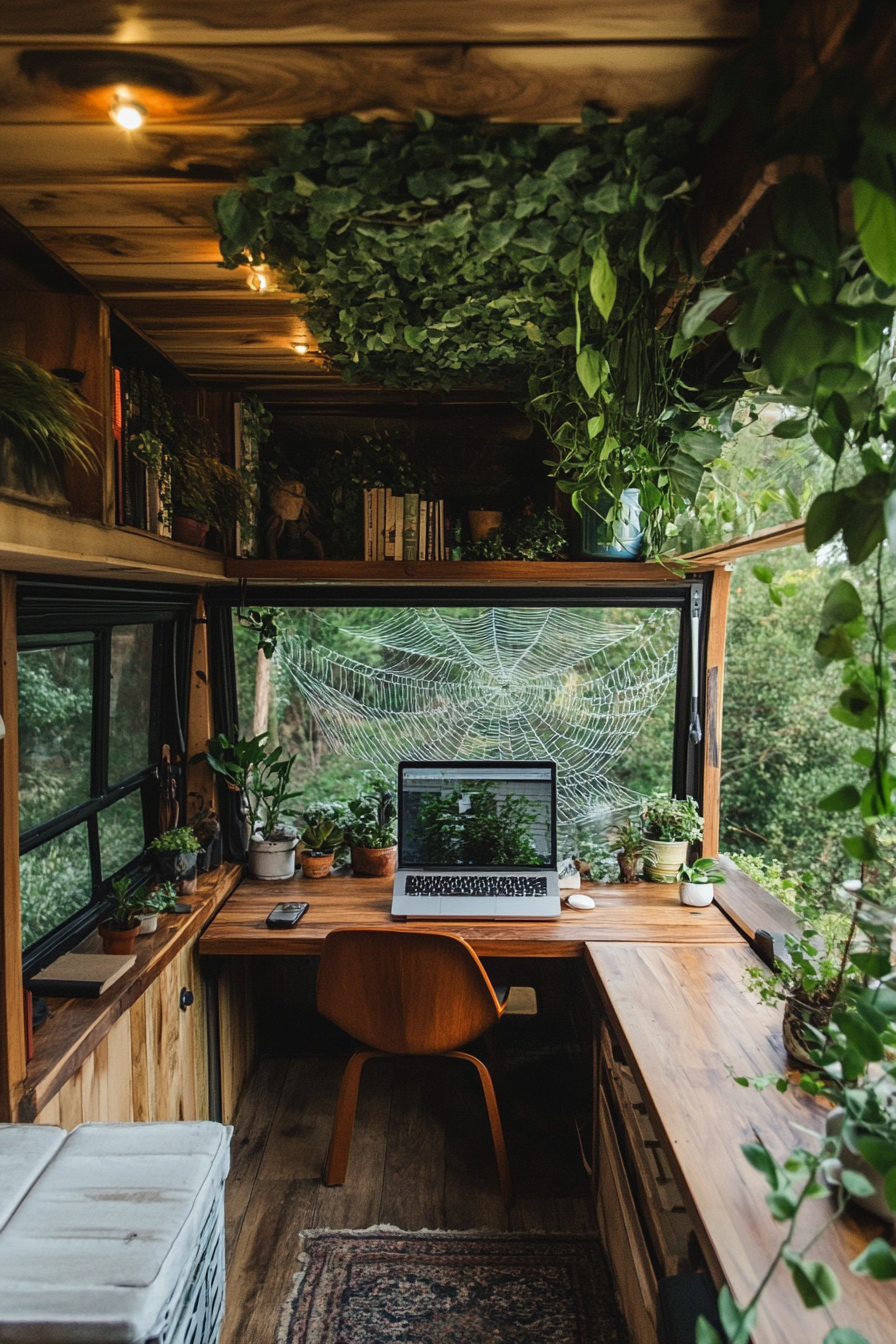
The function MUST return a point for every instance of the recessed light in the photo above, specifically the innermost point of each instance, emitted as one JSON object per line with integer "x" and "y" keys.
{"x": 258, "y": 280}
{"x": 300, "y": 347}
{"x": 127, "y": 114}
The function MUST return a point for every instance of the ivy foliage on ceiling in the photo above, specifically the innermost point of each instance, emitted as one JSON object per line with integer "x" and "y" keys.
{"x": 530, "y": 256}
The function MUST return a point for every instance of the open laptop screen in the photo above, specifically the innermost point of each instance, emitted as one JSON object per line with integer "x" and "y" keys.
{"x": 477, "y": 815}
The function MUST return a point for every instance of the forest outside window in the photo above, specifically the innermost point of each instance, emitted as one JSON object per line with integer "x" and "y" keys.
{"x": 89, "y": 742}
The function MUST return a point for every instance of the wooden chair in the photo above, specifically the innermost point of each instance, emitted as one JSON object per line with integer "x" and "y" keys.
{"x": 405, "y": 993}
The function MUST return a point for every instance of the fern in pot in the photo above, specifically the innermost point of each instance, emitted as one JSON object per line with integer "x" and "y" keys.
{"x": 669, "y": 826}
{"x": 371, "y": 832}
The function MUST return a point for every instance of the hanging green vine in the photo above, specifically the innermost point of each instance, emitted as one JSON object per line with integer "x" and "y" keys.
{"x": 533, "y": 257}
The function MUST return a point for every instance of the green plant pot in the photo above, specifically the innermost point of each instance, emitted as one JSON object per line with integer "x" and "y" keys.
{"x": 663, "y": 858}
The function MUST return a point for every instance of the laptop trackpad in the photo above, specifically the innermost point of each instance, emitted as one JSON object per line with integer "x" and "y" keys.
{"x": 477, "y": 907}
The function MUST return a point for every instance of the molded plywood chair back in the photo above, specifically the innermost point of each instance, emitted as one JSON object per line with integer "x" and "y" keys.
{"x": 404, "y": 993}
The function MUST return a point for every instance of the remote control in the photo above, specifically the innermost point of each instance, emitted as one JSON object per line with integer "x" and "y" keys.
{"x": 286, "y": 915}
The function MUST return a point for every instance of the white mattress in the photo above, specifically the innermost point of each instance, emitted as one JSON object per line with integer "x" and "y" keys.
{"x": 24, "y": 1152}
{"x": 109, "y": 1233}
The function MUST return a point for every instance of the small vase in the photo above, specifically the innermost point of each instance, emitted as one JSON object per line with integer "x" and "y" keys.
{"x": 317, "y": 865}
{"x": 374, "y": 862}
{"x": 189, "y": 531}
{"x": 620, "y": 540}
{"x": 663, "y": 858}
{"x": 118, "y": 940}
{"x": 273, "y": 860}
{"x": 697, "y": 893}
{"x": 484, "y": 523}
{"x": 148, "y": 923}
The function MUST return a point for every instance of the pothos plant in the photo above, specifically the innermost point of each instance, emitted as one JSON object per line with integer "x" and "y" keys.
{"x": 811, "y": 316}
{"x": 530, "y": 256}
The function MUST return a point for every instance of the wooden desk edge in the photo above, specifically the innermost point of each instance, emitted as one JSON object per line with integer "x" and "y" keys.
{"x": 77, "y": 1026}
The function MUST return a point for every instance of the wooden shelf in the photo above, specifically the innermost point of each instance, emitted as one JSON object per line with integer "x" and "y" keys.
{"x": 456, "y": 573}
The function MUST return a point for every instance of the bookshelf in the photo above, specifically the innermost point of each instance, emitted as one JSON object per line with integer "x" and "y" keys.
{"x": 455, "y": 573}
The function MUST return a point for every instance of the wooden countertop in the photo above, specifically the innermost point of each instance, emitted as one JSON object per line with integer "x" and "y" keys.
{"x": 77, "y": 1026}
{"x": 643, "y": 912}
{"x": 683, "y": 1017}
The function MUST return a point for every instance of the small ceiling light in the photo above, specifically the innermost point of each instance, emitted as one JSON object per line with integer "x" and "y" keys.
{"x": 300, "y": 347}
{"x": 258, "y": 280}
{"x": 127, "y": 114}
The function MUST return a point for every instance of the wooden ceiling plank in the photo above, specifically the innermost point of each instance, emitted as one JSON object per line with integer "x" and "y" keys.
{"x": 225, "y": 22}
{"x": 278, "y": 84}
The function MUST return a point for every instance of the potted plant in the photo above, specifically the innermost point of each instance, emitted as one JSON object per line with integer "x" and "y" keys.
{"x": 205, "y": 492}
{"x": 262, "y": 778}
{"x": 159, "y": 900}
{"x": 321, "y": 838}
{"x": 630, "y": 851}
{"x": 372, "y": 832}
{"x": 806, "y": 984}
{"x": 173, "y": 856}
{"x": 120, "y": 927}
{"x": 43, "y": 425}
{"x": 668, "y": 825}
{"x": 698, "y": 881}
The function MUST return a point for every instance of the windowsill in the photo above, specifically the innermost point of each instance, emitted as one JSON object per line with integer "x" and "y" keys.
{"x": 77, "y": 1026}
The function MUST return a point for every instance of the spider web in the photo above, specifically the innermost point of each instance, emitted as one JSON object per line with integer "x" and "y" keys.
{"x": 524, "y": 684}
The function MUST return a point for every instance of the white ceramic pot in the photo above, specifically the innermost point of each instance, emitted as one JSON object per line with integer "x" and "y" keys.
{"x": 148, "y": 923}
{"x": 663, "y": 858}
{"x": 850, "y": 1160}
{"x": 273, "y": 860}
{"x": 697, "y": 893}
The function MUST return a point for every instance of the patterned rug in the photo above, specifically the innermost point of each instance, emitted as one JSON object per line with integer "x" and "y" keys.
{"x": 384, "y": 1286}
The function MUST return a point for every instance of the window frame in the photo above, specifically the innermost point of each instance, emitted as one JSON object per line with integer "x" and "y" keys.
{"x": 54, "y": 615}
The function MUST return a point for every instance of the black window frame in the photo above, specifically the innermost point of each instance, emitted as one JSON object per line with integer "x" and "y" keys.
{"x": 687, "y": 755}
{"x": 66, "y": 612}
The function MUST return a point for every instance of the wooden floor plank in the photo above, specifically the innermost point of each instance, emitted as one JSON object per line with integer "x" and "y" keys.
{"x": 414, "y": 1175}
{"x": 265, "y": 1260}
{"x": 357, "y": 1202}
{"x": 251, "y": 1129}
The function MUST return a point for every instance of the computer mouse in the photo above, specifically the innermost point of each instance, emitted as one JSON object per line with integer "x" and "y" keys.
{"x": 577, "y": 901}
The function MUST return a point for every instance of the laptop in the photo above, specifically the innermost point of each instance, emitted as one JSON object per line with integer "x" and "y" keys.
{"x": 477, "y": 840}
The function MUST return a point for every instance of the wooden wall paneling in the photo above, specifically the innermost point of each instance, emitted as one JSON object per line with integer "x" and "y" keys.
{"x": 200, "y": 720}
{"x": 12, "y": 1021}
{"x": 224, "y": 22}
{"x": 712, "y": 727}
{"x": 118, "y": 1054}
{"x": 141, "y": 1063}
{"x": 196, "y": 1029}
{"x": 237, "y": 1031}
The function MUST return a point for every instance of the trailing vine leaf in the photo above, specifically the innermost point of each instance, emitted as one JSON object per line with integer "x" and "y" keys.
{"x": 875, "y": 216}
{"x": 602, "y": 284}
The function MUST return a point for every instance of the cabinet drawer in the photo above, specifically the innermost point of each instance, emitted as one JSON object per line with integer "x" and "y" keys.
{"x": 623, "y": 1237}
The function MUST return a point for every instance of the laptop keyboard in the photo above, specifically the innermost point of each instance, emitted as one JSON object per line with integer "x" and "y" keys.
{"x": 438, "y": 884}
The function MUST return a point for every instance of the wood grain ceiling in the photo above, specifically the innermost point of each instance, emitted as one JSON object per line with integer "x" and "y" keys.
{"x": 132, "y": 213}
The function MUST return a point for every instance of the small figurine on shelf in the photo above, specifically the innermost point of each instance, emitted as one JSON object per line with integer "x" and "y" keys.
{"x": 287, "y": 529}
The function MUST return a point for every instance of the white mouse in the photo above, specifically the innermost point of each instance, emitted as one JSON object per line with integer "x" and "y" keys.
{"x": 578, "y": 901}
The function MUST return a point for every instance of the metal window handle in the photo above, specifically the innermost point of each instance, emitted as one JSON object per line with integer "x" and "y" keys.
{"x": 695, "y": 732}
{"x": 186, "y": 999}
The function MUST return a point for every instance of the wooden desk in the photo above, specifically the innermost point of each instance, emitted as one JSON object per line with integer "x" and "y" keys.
{"x": 646, "y": 912}
{"x": 682, "y": 1016}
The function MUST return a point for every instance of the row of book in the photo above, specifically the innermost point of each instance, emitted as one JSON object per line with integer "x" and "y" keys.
{"x": 403, "y": 527}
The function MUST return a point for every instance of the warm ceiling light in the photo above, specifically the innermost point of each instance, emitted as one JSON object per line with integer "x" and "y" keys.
{"x": 300, "y": 347}
{"x": 127, "y": 114}
{"x": 258, "y": 280}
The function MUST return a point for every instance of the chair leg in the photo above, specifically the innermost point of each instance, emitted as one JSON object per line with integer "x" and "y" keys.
{"x": 344, "y": 1118}
{"x": 494, "y": 1120}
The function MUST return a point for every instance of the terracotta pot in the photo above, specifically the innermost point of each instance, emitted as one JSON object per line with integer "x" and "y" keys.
{"x": 317, "y": 865}
{"x": 797, "y": 1041}
{"x": 484, "y": 523}
{"x": 189, "y": 531}
{"x": 663, "y": 858}
{"x": 628, "y": 867}
{"x": 374, "y": 862}
{"x": 119, "y": 940}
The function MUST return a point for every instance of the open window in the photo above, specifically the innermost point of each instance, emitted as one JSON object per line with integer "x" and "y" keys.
{"x": 101, "y": 691}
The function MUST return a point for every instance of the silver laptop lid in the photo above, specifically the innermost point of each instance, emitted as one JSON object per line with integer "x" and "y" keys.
{"x": 477, "y": 814}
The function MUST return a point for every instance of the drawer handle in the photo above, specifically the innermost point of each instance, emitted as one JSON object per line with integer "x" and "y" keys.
{"x": 186, "y": 998}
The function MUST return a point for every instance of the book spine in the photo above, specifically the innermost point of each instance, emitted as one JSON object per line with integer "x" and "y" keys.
{"x": 390, "y": 526}
{"x": 431, "y": 529}
{"x": 380, "y": 523}
{"x": 411, "y": 521}
{"x": 368, "y": 525}
{"x": 399, "y": 527}
{"x": 118, "y": 436}
{"x": 421, "y": 529}
{"x": 442, "y": 539}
